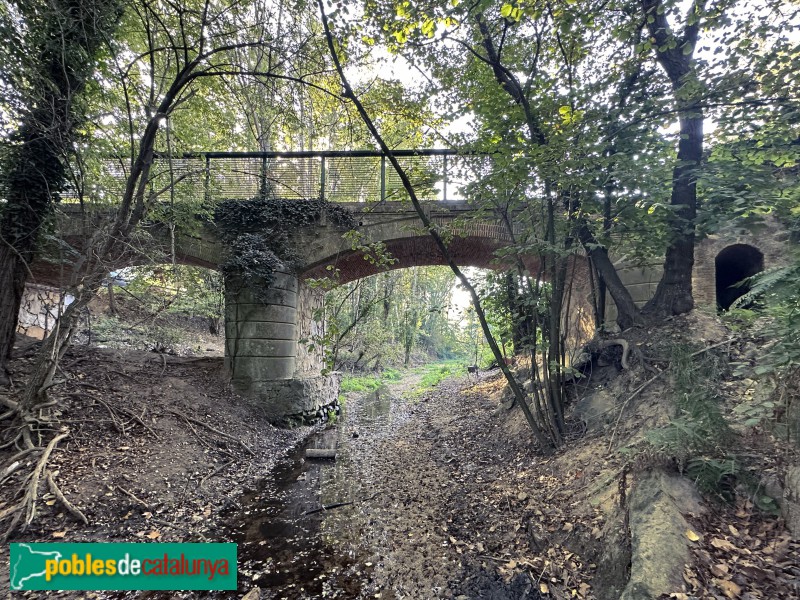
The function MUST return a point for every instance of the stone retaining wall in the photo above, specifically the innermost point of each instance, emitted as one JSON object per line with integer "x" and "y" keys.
{"x": 769, "y": 238}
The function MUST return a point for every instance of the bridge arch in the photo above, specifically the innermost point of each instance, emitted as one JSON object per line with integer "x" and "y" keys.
{"x": 470, "y": 242}
{"x": 411, "y": 251}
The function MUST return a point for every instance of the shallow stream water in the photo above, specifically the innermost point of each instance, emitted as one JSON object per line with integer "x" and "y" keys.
{"x": 289, "y": 545}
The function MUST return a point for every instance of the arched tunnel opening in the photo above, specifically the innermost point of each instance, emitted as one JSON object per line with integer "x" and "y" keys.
{"x": 733, "y": 265}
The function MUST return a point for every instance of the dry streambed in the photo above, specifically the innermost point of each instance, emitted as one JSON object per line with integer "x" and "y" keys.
{"x": 438, "y": 495}
{"x": 426, "y": 500}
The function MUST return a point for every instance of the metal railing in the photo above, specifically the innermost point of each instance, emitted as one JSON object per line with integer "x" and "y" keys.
{"x": 337, "y": 176}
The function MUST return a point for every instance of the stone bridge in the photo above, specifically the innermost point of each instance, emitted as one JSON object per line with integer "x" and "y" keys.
{"x": 269, "y": 340}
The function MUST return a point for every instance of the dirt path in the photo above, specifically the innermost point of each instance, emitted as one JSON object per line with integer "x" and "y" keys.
{"x": 443, "y": 520}
{"x": 426, "y": 475}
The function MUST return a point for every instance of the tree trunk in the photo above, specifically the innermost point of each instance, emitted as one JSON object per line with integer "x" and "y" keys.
{"x": 520, "y": 326}
{"x": 674, "y": 292}
{"x": 675, "y": 55}
{"x": 213, "y": 325}
{"x": 33, "y": 171}
{"x": 627, "y": 311}
{"x": 12, "y": 287}
{"x": 519, "y": 394}
{"x": 112, "y": 302}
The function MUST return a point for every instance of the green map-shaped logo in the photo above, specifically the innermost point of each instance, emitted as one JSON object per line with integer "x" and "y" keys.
{"x": 27, "y": 564}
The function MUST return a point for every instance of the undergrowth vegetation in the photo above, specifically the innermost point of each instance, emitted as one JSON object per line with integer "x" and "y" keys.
{"x": 369, "y": 383}
{"x": 774, "y": 401}
{"x": 431, "y": 375}
{"x": 708, "y": 431}
{"x": 171, "y": 309}
{"x": 434, "y": 374}
{"x": 698, "y": 426}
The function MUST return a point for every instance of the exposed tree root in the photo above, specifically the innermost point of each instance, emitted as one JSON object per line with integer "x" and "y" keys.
{"x": 215, "y": 472}
{"x": 12, "y": 441}
{"x": 75, "y": 512}
{"x": 140, "y": 421}
{"x": 15, "y": 512}
{"x": 130, "y": 495}
{"x": 626, "y": 349}
{"x": 9, "y": 511}
{"x": 214, "y": 430}
{"x": 25, "y": 509}
{"x": 13, "y": 463}
{"x": 32, "y": 492}
{"x": 8, "y": 403}
{"x": 115, "y": 421}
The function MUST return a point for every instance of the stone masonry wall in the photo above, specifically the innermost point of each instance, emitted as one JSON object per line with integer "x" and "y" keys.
{"x": 310, "y": 329}
{"x": 261, "y": 332}
{"x": 769, "y": 238}
{"x": 267, "y": 351}
{"x": 40, "y": 308}
{"x": 641, "y": 282}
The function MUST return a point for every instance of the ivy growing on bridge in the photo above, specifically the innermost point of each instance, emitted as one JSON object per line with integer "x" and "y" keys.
{"x": 258, "y": 234}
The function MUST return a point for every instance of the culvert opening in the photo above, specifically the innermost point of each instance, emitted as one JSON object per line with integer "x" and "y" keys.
{"x": 734, "y": 264}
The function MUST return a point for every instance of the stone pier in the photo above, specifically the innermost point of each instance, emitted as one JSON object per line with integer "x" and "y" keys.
{"x": 268, "y": 334}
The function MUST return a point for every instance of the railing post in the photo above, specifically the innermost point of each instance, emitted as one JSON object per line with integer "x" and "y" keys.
{"x": 444, "y": 178}
{"x": 322, "y": 178}
{"x": 262, "y": 184}
{"x": 207, "y": 181}
{"x": 383, "y": 179}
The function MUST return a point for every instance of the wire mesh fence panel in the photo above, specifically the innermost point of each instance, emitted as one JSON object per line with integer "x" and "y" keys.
{"x": 99, "y": 182}
{"x": 465, "y": 171}
{"x": 180, "y": 179}
{"x": 352, "y": 179}
{"x": 426, "y": 174}
{"x": 294, "y": 178}
{"x": 268, "y": 176}
{"x": 235, "y": 178}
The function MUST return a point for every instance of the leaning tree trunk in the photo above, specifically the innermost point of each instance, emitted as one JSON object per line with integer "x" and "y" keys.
{"x": 12, "y": 287}
{"x": 33, "y": 170}
{"x": 544, "y": 441}
{"x": 627, "y": 312}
